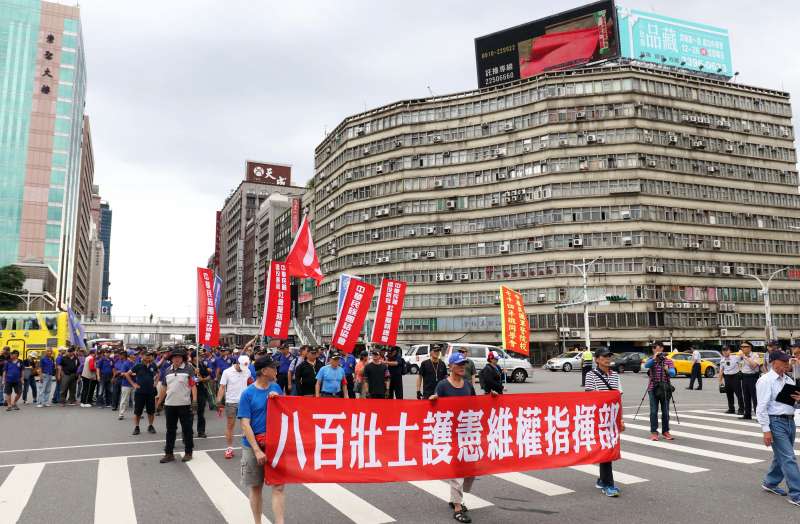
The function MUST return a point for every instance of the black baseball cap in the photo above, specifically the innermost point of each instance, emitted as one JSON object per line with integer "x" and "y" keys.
{"x": 264, "y": 362}
{"x": 602, "y": 352}
{"x": 779, "y": 355}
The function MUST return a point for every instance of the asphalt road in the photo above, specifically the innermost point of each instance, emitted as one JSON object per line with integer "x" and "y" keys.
{"x": 73, "y": 465}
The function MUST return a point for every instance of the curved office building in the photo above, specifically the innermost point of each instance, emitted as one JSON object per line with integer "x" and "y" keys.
{"x": 684, "y": 185}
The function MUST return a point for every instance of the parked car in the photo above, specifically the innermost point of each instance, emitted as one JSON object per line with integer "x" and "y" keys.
{"x": 683, "y": 365}
{"x": 711, "y": 355}
{"x": 516, "y": 369}
{"x": 565, "y": 362}
{"x": 629, "y": 361}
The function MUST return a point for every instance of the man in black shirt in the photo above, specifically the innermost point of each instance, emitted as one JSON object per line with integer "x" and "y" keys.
{"x": 394, "y": 361}
{"x": 143, "y": 378}
{"x": 305, "y": 374}
{"x": 67, "y": 376}
{"x": 491, "y": 377}
{"x": 376, "y": 377}
{"x": 431, "y": 371}
{"x": 204, "y": 393}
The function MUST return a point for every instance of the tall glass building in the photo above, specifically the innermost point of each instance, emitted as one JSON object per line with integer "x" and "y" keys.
{"x": 42, "y": 93}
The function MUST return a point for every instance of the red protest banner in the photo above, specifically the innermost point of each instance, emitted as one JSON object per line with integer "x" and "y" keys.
{"x": 352, "y": 315}
{"x": 337, "y": 440}
{"x": 277, "y": 304}
{"x": 516, "y": 330}
{"x": 387, "y": 316}
{"x": 207, "y": 321}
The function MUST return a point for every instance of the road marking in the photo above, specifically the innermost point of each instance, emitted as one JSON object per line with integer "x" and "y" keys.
{"x": 113, "y": 500}
{"x": 732, "y": 422}
{"x": 726, "y": 415}
{"x": 667, "y": 464}
{"x": 708, "y": 438}
{"x": 224, "y": 494}
{"x": 17, "y": 489}
{"x": 441, "y": 490}
{"x": 534, "y": 484}
{"x": 349, "y": 504}
{"x": 717, "y": 428}
{"x": 78, "y": 446}
{"x": 91, "y": 459}
{"x": 687, "y": 449}
{"x": 622, "y": 478}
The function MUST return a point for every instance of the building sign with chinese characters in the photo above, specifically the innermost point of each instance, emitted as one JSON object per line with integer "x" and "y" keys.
{"x": 273, "y": 174}
{"x": 514, "y": 320}
{"x": 574, "y": 38}
{"x": 663, "y": 40}
{"x": 338, "y": 440}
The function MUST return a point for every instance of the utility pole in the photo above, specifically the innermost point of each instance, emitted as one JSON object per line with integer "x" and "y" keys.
{"x": 768, "y": 328}
{"x": 583, "y": 270}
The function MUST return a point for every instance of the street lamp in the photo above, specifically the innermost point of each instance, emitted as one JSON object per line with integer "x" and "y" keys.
{"x": 765, "y": 292}
{"x": 25, "y": 298}
{"x": 583, "y": 270}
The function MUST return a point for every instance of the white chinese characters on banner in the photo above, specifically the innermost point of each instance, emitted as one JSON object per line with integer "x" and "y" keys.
{"x": 210, "y": 307}
{"x": 350, "y": 314}
{"x": 391, "y": 299}
{"x": 281, "y": 297}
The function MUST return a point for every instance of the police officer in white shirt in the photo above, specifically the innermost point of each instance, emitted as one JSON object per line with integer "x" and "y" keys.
{"x": 696, "y": 374}
{"x": 751, "y": 370}
{"x": 777, "y": 423}
{"x": 730, "y": 375}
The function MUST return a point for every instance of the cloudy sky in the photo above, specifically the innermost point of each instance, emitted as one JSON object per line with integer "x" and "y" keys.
{"x": 181, "y": 92}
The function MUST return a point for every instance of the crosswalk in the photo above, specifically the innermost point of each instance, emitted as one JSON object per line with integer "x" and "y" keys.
{"x": 705, "y": 440}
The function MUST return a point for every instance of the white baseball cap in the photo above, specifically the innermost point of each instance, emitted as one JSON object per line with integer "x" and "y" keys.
{"x": 244, "y": 360}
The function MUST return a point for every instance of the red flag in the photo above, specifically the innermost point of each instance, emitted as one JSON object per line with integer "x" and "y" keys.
{"x": 352, "y": 315}
{"x": 207, "y": 321}
{"x": 387, "y": 315}
{"x": 302, "y": 259}
{"x": 277, "y": 305}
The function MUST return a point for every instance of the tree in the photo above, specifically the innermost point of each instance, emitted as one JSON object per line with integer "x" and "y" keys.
{"x": 11, "y": 281}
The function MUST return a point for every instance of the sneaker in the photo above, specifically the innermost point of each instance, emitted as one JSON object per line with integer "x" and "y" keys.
{"x": 186, "y": 457}
{"x": 15, "y": 407}
{"x": 611, "y": 491}
{"x": 653, "y": 436}
{"x": 136, "y": 430}
{"x": 599, "y": 484}
{"x": 795, "y": 501}
{"x": 667, "y": 436}
{"x": 151, "y": 429}
{"x": 774, "y": 489}
{"x": 48, "y": 405}
{"x": 229, "y": 453}
{"x": 39, "y": 405}
{"x": 730, "y": 411}
{"x": 169, "y": 457}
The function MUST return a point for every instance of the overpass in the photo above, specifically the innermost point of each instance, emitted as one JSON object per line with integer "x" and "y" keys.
{"x": 154, "y": 331}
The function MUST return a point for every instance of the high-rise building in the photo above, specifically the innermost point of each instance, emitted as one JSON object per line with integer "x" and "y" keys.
{"x": 41, "y": 124}
{"x": 79, "y": 296}
{"x": 681, "y": 187}
{"x": 96, "y": 263}
{"x": 105, "y": 238}
{"x": 236, "y": 234}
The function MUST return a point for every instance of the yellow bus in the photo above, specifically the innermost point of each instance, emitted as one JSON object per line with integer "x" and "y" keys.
{"x": 31, "y": 332}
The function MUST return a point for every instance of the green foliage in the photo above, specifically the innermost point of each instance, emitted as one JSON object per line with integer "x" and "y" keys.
{"x": 11, "y": 280}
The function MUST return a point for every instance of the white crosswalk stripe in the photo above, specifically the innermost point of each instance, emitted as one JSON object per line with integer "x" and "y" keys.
{"x": 113, "y": 500}
{"x": 690, "y": 450}
{"x": 747, "y": 423}
{"x": 709, "y": 438}
{"x": 349, "y": 504}
{"x": 714, "y": 428}
{"x": 622, "y": 478}
{"x": 720, "y": 414}
{"x": 534, "y": 484}
{"x": 16, "y": 490}
{"x": 661, "y": 463}
{"x": 228, "y": 499}
{"x": 441, "y": 490}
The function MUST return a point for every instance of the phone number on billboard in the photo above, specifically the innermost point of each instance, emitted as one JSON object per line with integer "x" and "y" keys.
{"x": 500, "y": 78}
{"x": 497, "y": 52}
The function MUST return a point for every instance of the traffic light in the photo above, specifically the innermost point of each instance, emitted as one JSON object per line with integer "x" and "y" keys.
{"x": 616, "y": 298}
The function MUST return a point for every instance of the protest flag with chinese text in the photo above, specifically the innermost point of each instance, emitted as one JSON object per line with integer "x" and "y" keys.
{"x": 352, "y": 315}
{"x": 278, "y": 302}
{"x": 302, "y": 259}
{"x": 387, "y": 316}
{"x": 516, "y": 328}
{"x": 207, "y": 321}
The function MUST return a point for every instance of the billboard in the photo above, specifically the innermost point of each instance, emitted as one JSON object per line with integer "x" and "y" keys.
{"x": 274, "y": 174}
{"x": 648, "y": 37}
{"x": 563, "y": 41}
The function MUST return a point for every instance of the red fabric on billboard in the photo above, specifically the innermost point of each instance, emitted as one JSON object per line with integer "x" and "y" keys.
{"x": 352, "y": 315}
{"x": 207, "y": 321}
{"x": 302, "y": 259}
{"x": 278, "y": 303}
{"x": 558, "y": 50}
{"x": 387, "y": 316}
{"x": 361, "y": 440}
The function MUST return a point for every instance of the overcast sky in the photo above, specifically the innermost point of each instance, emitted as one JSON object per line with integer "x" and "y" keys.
{"x": 181, "y": 92}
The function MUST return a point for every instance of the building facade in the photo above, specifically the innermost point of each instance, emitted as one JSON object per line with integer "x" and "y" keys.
{"x": 106, "y": 214}
{"x": 680, "y": 186}
{"x": 41, "y": 124}
{"x": 79, "y": 296}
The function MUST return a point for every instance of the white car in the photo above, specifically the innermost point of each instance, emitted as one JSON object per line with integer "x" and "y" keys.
{"x": 565, "y": 361}
{"x": 516, "y": 369}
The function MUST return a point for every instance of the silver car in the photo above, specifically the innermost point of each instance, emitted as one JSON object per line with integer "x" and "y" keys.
{"x": 565, "y": 361}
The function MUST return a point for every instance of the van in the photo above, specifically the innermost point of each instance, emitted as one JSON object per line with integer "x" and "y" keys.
{"x": 516, "y": 369}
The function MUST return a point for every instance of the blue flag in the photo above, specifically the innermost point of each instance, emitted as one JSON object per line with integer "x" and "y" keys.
{"x": 217, "y": 291}
{"x": 77, "y": 334}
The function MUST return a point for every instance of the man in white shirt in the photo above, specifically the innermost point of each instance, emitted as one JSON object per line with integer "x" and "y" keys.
{"x": 696, "y": 375}
{"x": 231, "y": 384}
{"x": 730, "y": 377}
{"x": 777, "y": 423}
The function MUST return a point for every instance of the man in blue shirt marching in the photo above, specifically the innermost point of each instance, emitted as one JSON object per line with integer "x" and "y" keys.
{"x": 47, "y": 368}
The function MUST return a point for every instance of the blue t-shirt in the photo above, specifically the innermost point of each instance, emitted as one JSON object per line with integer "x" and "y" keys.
{"x": 283, "y": 362}
{"x": 222, "y": 364}
{"x": 47, "y": 366}
{"x": 105, "y": 365}
{"x": 211, "y": 365}
{"x": 253, "y": 405}
{"x": 162, "y": 369}
{"x": 252, "y": 370}
{"x": 349, "y": 364}
{"x": 330, "y": 379}
{"x": 13, "y": 371}
{"x": 123, "y": 366}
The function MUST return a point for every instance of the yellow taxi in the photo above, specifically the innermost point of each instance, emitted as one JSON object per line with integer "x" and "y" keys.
{"x": 683, "y": 364}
